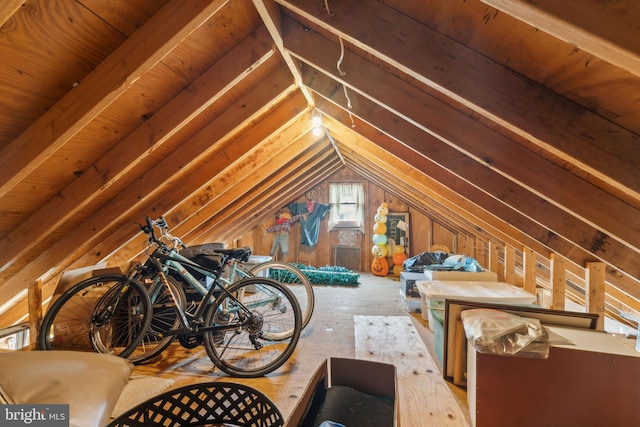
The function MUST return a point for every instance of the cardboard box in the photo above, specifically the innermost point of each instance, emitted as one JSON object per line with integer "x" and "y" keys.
{"x": 370, "y": 380}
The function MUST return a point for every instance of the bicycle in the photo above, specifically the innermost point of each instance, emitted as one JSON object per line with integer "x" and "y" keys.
{"x": 242, "y": 325}
{"x": 164, "y": 315}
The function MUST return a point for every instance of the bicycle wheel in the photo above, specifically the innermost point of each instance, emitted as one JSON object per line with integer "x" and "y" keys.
{"x": 294, "y": 279}
{"x": 104, "y": 314}
{"x": 165, "y": 318}
{"x": 251, "y": 310}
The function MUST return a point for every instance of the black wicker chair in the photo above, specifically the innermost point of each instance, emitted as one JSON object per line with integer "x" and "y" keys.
{"x": 204, "y": 404}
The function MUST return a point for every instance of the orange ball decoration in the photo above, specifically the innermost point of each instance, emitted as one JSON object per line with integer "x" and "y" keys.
{"x": 379, "y": 228}
{"x": 398, "y": 259}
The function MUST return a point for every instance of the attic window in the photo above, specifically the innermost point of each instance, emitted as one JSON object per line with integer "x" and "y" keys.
{"x": 347, "y": 205}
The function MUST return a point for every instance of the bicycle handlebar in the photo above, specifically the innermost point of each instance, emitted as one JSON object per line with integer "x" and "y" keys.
{"x": 161, "y": 223}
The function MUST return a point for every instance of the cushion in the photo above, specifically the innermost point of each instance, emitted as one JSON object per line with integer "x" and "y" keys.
{"x": 90, "y": 383}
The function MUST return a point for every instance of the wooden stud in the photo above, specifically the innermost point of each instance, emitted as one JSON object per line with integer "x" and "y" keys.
{"x": 510, "y": 265}
{"x": 481, "y": 253}
{"x": 595, "y": 286}
{"x": 557, "y": 281}
{"x": 529, "y": 270}
{"x": 494, "y": 261}
{"x": 34, "y": 299}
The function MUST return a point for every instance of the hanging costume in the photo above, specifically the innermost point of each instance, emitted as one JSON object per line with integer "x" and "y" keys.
{"x": 281, "y": 230}
{"x": 309, "y": 226}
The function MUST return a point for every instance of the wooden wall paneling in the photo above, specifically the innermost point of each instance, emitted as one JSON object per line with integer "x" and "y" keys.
{"x": 463, "y": 245}
{"x": 420, "y": 232}
{"x": 595, "y": 275}
{"x": 444, "y": 236}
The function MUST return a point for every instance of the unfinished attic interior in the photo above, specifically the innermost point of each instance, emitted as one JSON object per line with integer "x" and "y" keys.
{"x": 508, "y": 131}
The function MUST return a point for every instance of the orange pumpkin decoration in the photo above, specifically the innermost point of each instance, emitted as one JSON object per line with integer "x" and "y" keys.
{"x": 379, "y": 266}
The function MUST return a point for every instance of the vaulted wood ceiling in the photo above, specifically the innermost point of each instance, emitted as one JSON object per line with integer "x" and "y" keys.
{"x": 517, "y": 118}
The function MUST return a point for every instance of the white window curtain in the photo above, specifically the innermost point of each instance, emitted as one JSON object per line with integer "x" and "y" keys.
{"x": 347, "y": 206}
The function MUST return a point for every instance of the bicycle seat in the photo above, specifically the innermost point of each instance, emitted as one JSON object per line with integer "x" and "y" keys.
{"x": 241, "y": 254}
{"x": 203, "y": 255}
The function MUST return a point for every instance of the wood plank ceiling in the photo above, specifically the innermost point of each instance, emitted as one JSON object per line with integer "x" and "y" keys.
{"x": 518, "y": 118}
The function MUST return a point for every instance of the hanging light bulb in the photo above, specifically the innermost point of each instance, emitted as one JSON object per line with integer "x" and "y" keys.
{"x": 317, "y": 131}
{"x": 316, "y": 119}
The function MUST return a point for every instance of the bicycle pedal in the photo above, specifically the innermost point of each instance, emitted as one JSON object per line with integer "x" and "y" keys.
{"x": 190, "y": 341}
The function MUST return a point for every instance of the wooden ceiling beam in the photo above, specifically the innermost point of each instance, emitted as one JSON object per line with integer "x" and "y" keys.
{"x": 608, "y": 30}
{"x": 419, "y": 188}
{"x": 182, "y": 203}
{"x": 435, "y": 196}
{"x": 513, "y": 161}
{"x": 111, "y": 78}
{"x": 401, "y": 180}
{"x": 124, "y": 158}
{"x": 255, "y": 166}
{"x": 289, "y": 188}
{"x": 526, "y": 211}
{"x": 134, "y": 201}
{"x": 528, "y": 109}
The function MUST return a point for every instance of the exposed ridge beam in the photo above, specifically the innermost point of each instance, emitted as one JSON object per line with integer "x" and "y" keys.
{"x": 270, "y": 14}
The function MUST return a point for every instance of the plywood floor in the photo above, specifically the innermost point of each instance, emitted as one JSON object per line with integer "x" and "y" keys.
{"x": 330, "y": 333}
